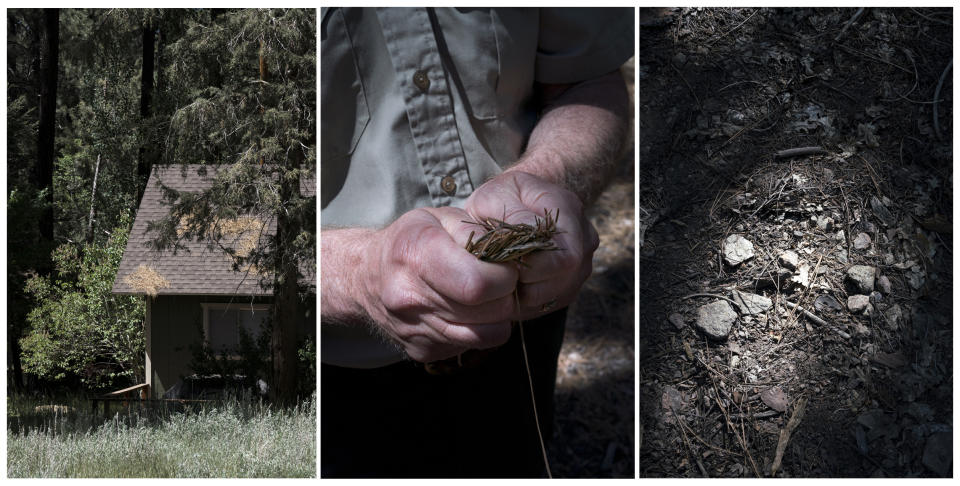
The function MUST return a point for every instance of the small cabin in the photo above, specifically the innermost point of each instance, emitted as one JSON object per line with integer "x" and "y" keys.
{"x": 194, "y": 296}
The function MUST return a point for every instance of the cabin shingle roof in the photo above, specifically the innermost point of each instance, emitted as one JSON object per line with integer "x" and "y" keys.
{"x": 198, "y": 270}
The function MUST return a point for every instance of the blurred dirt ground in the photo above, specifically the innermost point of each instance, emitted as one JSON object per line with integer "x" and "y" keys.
{"x": 594, "y": 423}
{"x": 864, "y": 390}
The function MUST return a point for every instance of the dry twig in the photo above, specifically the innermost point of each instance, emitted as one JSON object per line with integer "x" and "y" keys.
{"x": 850, "y": 22}
{"x": 936, "y": 99}
{"x": 799, "y": 152}
{"x": 813, "y": 317}
{"x": 786, "y": 432}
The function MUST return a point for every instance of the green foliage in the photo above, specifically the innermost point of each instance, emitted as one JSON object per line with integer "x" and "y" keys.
{"x": 78, "y": 327}
{"x": 307, "y": 366}
{"x": 209, "y": 105}
{"x": 253, "y": 362}
{"x": 261, "y": 133}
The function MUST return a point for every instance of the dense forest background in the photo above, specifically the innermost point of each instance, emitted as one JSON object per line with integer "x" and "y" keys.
{"x": 95, "y": 98}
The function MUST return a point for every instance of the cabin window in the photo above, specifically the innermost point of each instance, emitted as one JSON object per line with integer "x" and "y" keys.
{"x": 224, "y": 323}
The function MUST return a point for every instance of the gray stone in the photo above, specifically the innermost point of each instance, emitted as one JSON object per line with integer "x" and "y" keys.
{"x": 862, "y": 241}
{"x": 858, "y": 303}
{"x": 884, "y": 284}
{"x": 750, "y": 304}
{"x": 790, "y": 259}
{"x": 716, "y": 319}
{"x": 827, "y": 302}
{"x": 736, "y": 250}
{"x": 894, "y": 316}
{"x": 677, "y": 321}
{"x": 861, "y": 277}
{"x": 825, "y": 223}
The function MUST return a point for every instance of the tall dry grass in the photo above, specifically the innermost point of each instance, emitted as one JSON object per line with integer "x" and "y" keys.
{"x": 233, "y": 438}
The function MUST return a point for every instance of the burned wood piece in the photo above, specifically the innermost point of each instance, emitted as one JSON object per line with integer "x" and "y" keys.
{"x": 813, "y": 317}
{"x": 504, "y": 242}
{"x": 799, "y": 152}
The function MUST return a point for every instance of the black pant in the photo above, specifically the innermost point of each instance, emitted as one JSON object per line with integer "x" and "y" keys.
{"x": 400, "y": 421}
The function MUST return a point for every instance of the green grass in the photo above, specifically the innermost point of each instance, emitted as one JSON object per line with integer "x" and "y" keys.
{"x": 231, "y": 439}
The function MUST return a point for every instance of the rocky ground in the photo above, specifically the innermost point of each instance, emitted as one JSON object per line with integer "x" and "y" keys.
{"x": 795, "y": 306}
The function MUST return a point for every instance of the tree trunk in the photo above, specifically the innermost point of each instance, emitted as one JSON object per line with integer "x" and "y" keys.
{"x": 48, "y": 113}
{"x": 13, "y": 341}
{"x": 286, "y": 309}
{"x": 93, "y": 198}
{"x": 285, "y": 290}
{"x": 146, "y": 94}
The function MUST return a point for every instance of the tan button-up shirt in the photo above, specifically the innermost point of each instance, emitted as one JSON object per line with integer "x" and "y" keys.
{"x": 420, "y": 106}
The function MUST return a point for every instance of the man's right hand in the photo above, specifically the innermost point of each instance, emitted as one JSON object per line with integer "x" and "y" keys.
{"x": 430, "y": 295}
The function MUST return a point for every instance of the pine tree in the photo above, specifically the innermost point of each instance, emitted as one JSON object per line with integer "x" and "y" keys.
{"x": 245, "y": 84}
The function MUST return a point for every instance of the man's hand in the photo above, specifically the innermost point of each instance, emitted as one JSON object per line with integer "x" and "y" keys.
{"x": 549, "y": 280}
{"x": 420, "y": 286}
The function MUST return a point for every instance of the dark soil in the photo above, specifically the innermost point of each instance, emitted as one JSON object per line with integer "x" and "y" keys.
{"x": 720, "y": 92}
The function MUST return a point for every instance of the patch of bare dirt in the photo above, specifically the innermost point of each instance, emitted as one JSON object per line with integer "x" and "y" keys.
{"x": 840, "y": 365}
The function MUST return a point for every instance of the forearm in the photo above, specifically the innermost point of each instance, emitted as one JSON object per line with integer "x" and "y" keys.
{"x": 342, "y": 256}
{"x": 579, "y": 136}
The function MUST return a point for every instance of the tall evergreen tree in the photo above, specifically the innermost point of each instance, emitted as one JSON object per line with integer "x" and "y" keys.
{"x": 258, "y": 125}
{"x": 46, "y": 149}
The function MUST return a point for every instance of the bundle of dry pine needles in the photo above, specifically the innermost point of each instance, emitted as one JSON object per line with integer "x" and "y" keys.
{"x": 505, "y": 242}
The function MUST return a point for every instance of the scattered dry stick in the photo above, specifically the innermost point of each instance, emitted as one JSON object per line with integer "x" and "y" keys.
{"x": 799, "y": 152}
{"x": 786, "y": 432}
{"x": 813, "y": 317}
{"x": 936, "y": 100}
{"x": 850, "y": 22}
{"x": 715, "y": 296}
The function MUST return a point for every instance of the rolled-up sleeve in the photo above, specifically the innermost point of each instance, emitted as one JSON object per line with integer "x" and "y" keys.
{"x": 577, "y": 44}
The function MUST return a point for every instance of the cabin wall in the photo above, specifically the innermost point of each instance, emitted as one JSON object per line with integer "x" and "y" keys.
{"x": 174, "y": 325}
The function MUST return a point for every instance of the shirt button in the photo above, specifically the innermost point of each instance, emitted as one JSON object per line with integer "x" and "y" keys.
{"x": 421, "y": 80}
{"x": 448, "y": 185}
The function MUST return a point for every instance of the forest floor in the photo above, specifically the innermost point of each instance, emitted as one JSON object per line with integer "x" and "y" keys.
{"x": 857, "y": 232}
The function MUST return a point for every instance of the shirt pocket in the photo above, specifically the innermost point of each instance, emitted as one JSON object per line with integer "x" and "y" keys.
{"x": 492, "y": 52}
{"x": 344, "y": 113}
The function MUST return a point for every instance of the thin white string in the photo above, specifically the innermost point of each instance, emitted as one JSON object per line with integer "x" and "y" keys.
{"x": 533, "y": 398}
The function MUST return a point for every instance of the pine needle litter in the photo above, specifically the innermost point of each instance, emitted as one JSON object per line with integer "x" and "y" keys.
{"x": 504, "y": 242}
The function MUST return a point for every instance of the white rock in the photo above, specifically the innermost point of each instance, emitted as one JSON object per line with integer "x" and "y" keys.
{"x": 862, "y": 277}
{"x": 858, "y": 303}
{"x": 736, "y": 250}
{"x": 790, "y": 259}
{"x": 862, "y": 241}
{"x": 750, "y": 304}
{"x": 802, "y": 278}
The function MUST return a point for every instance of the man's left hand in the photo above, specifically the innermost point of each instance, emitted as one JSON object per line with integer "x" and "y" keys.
{"x": 549, "y": 280}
